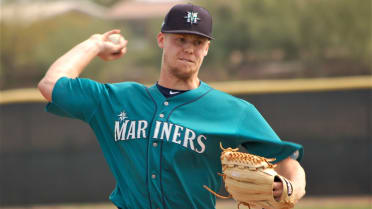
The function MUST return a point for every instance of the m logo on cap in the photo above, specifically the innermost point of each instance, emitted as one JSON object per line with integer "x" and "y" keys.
{"x": 192, "y": 17}
{"x": 188, "y": 19}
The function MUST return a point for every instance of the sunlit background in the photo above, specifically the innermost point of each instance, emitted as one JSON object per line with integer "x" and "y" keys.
{"x": 255, "y": 39}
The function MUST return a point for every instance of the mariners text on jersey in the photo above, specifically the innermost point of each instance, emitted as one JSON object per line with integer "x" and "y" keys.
{"x": 128, "y": 130}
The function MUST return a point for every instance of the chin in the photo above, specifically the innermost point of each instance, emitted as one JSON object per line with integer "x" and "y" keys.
{"x": 181, "y": 69}
{"x": 184, "y": 73}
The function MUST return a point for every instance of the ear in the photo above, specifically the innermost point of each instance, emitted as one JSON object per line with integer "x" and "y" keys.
{"x": 160, "y": 38}
{"x": 207, "y": 48}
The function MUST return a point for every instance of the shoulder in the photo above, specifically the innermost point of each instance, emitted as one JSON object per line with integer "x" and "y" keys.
{"x": 127, "y": 89}
{"x": 125, "y": 86}
{"x": 224, "y": 98}
{"x": 86, "y": 83}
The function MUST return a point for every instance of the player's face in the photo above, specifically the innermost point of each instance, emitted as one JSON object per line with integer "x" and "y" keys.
{"x": 183, "y": 54}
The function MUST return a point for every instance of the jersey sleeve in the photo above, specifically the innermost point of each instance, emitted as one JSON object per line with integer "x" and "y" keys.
{"x": 76, "y": 98}
{"x": 260, "y": 139}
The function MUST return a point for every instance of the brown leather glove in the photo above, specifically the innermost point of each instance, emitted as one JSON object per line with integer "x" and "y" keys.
{"x": 249, "y": 179}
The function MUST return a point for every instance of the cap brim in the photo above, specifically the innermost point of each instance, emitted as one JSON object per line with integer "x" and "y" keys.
{"x": 187, "y": 32}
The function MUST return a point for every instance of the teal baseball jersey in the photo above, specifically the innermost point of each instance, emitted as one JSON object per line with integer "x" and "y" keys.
{"x": 161, "y": 150}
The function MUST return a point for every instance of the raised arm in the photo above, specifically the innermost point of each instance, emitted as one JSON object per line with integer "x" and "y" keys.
{"x": 74, "y": 61}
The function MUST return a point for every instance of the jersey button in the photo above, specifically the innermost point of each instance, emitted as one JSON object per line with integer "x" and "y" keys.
{"x": 161, "y": 115}
{"x": 166, "y": 103}
{"x": 154, "y": 144}
{"x": 153, "y": 176}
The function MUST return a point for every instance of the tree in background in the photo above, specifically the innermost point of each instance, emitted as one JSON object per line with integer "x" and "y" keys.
{"x": 106, "y": 3}
{"x": 309, "y": 38}
{"x": 255, "y": 39}
{"x": 28, "y": 49}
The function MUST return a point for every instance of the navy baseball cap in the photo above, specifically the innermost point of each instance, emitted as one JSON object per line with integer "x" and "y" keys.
{"x": 189, "y": 19}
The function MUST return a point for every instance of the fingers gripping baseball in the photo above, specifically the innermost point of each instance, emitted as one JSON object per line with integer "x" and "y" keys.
{"x": 111, "y": 45}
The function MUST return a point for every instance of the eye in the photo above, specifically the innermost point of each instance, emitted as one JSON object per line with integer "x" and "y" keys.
{"x": 198, "y": 42}
{"x": 181, "y": 40}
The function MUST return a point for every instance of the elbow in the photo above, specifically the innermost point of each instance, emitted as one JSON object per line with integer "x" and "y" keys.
{"x": 45, "y": 90}
{"x": 302, "y": 186}
{"x": 40, "y": 85}
{"x": 301, "y": 193}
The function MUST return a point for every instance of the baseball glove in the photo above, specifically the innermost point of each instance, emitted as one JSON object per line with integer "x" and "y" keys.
{"x": 249, "y": 180}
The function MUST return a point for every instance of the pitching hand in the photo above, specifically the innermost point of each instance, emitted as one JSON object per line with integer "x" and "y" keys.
{"x": 108, "y": 50}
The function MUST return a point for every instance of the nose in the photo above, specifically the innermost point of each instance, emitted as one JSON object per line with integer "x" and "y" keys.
{"x": 188, "y": 48}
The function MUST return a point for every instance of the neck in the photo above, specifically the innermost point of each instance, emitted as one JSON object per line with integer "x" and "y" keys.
{"x": 172, "y": 82}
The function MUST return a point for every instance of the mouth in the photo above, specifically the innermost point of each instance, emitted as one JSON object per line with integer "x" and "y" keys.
{"x": 186, "y": 60}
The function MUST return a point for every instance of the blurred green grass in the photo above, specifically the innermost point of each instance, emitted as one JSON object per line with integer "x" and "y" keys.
{"x": 364, "y": 202}
{"x": 316, "y": 203}
{"x": 336, "y": 207}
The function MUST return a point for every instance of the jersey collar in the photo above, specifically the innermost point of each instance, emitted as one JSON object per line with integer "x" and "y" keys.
{"x": 185, "y": 97}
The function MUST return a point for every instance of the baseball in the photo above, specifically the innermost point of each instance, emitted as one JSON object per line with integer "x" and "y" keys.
{"x": 115, "y": 38}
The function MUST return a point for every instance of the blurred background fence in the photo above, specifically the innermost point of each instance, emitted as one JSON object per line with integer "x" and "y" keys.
{"x": 306, "y": 65}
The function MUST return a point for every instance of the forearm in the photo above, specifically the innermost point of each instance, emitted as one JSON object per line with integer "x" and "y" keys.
{"x": 70, "y": 65}
{"x": 292, "y": 170}
{"x": 74, "y": 61}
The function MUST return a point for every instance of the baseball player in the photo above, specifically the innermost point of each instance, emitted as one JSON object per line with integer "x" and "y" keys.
{"x": 162, "y": 142}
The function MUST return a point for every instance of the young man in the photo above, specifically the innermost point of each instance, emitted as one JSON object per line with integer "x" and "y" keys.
{"x": 162, "y": 142}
